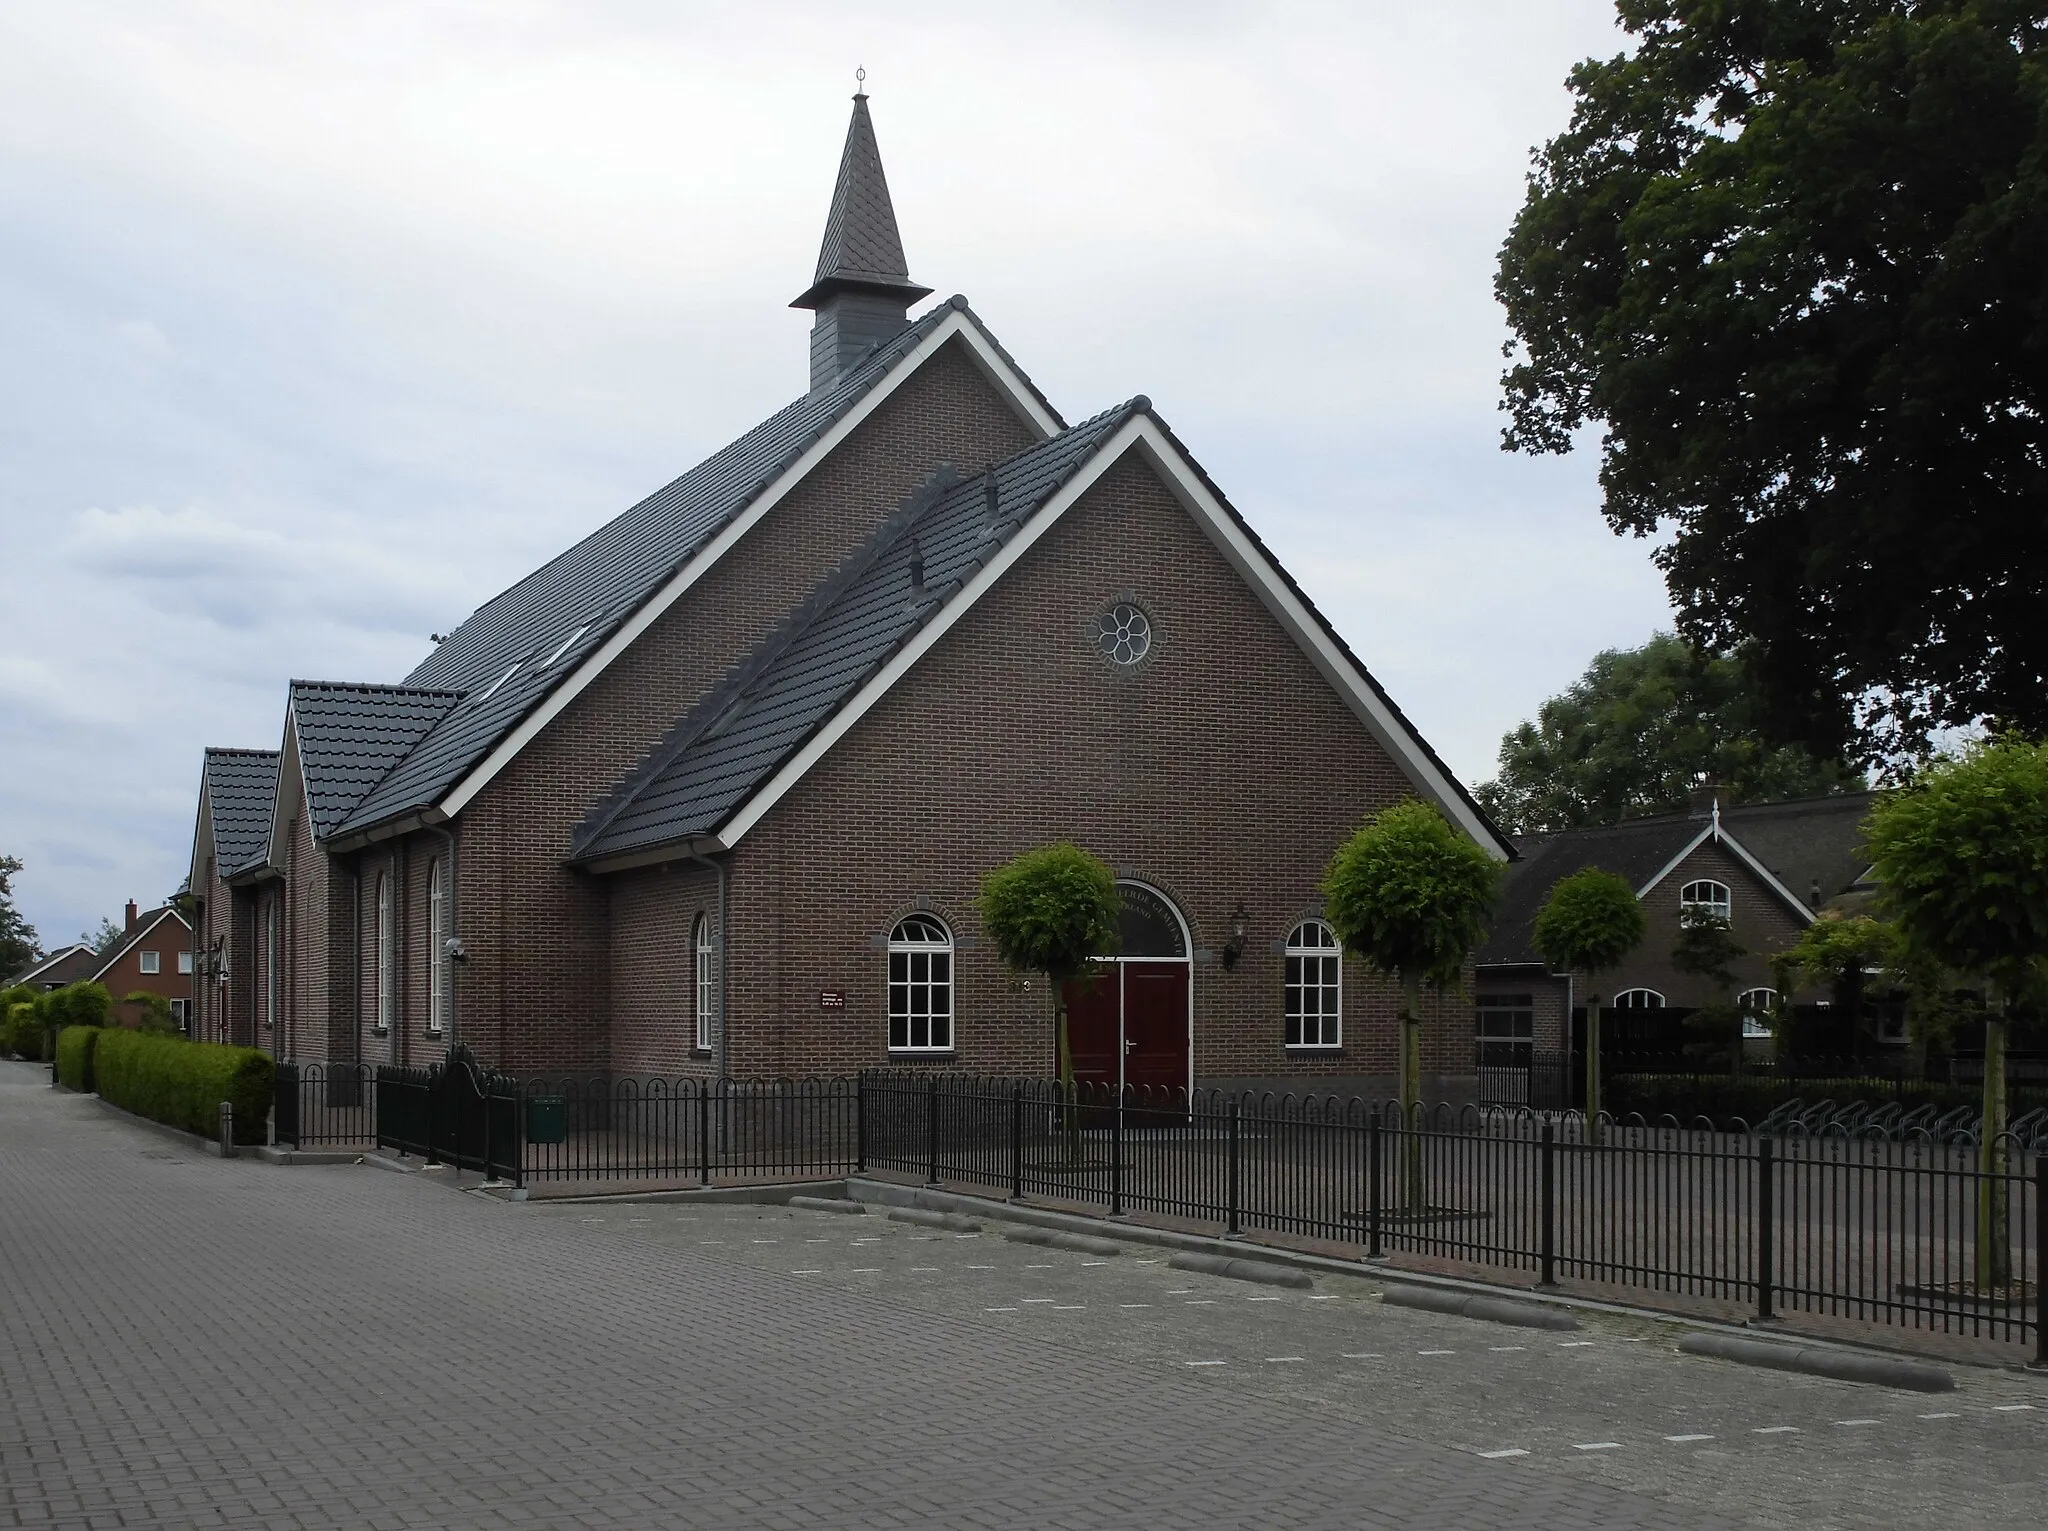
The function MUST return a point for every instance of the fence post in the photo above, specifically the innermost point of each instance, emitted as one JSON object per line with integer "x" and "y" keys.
{"x": 1236, "y": 1132}
{"x": 1767, "y": 1223}
{"x": 2041, "y": 1260}
{"x": 931, "y": 1130}
{"x": 1549, "y": 1276}
{"x": 1116, "y": 1157}
{"x": 485, "y": 1087}
{"x": 1016, "y": 1142}
{"x": 860, "y": 1122}
{"x": 1372, "y": 1175}
{"x": 704, "y": 1132}
{"x": 519, "y": 1146}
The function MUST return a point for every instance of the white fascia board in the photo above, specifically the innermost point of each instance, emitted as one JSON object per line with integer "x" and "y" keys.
{"x": 1256, "y": 568}
{"x": 1143, "y": 433}
{"x": 287, "y": 757}
{"x": 954, "y": 325}
{"x": 52, "y": 960}
{"x": 1718, "y": 832}
{"x": 202, "y": 835}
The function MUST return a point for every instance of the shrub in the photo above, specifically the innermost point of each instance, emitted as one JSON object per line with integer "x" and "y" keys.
{"x": 21, "y": 1031}
{"x": 182, "y": 1084}
{"x": 75, "y": 1046}
{"x": 77, "y": 1004}
{"x": 156, "y": 1012}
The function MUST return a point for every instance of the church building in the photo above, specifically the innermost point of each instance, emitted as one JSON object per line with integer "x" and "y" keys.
{"x": 713, "y": 791}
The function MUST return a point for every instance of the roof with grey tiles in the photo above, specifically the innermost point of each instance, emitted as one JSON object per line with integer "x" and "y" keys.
{"x": 862, "y": 246}
{"x": 69, "y": 964}
{"x": 515, "y": 649}
{"x": 733, "y": 742}
{"x": 241, "y": 786}
{"x": 351, "y": 736}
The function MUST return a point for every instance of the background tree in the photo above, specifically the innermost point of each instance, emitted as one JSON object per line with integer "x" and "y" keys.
{"x": 1835, "y": 952}
{"x": 19, "y": 947}
{"x": 105, "y": 939}
{"x": 1053, "y": 910}
{"x": 1413, "y": 897}
{"x": 1590, "y": 922}
{"x": 1706, "y": 948}
{"x": 1961, "y": 854}
{"x": 1633, "y": 735}
{"x": 1788, "y": 254}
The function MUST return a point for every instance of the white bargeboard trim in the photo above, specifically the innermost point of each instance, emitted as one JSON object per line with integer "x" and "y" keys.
{"x": 1717, "y": 831}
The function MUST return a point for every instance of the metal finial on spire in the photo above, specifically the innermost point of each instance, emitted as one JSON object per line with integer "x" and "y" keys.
{"x": 860, "y": 84}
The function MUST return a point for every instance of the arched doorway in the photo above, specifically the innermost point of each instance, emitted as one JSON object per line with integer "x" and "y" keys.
{"x": 1131, "y": 1022}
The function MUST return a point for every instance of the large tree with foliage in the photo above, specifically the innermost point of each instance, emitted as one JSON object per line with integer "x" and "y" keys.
{"x": 19, "y": 947}
{"x": 1636, "y": 731}
{"x": 1962, "y": 856}
{"x": 1789, "y": 255}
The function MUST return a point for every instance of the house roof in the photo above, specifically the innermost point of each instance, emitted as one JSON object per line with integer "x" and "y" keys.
{"x": 734, "y": 741}
{"x": 145, "y": 923}
{"x": 1795, "y": 843}
{"x": 519, "y": 647}
{"x": 350, "y": 737}
{"x": 240, "y": 786}
{"x": 66, "y": 965}
{"x": 862, "y": 247}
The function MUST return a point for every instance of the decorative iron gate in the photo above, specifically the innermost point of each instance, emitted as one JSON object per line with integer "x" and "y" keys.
{"x": 456, "y": 1112}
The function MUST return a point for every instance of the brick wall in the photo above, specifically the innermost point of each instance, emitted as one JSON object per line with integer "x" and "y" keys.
{"x": 653, "y": 966}
{"x": 1225, "y": 769}
{"x": 537, "y": 990}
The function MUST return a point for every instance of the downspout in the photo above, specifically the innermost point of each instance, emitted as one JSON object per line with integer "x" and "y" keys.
{"x": 355, "y": 941}
{"x": 450, "y": 907}
{"x": 721, "y": 1054}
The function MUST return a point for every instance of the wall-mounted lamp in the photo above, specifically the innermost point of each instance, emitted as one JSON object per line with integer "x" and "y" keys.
{"x": 453, "y": 948}
{"x": 1240, "y": 932}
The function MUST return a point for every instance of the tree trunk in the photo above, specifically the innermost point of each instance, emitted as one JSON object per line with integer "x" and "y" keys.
{"x": 1412, "y": 1197}
{"x": 1994, "y": 1239}
{"x": 1063, "y": 1057}
{"x": 1592, "y": 1064}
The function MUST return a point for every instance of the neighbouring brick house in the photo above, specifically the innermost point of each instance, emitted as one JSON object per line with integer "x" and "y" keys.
{"x": 1771, "y": 868}
{"x": 714, "y": 790}
{"x": 153, "y": 956}
{"x": 66, "y": 965}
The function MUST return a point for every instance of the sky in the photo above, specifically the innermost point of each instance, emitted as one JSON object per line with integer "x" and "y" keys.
{"x": 320, "y": 325}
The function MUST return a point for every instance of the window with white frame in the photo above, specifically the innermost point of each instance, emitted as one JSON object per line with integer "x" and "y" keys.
{"x": 437, "y": 948}
{"x": 707, "y": 993}
{"x": 181, "y": 1014}
{"x": 1315, "y": 986}
{"x": 1708, "y": 897}
{"x": 386, "y": 945}
{"x": 185, "y": 963}
{"x": 920, "y": 986}
{"x": 1506, "y": 1030}
{"x": 1637, "y": 999}
{"x": 152, "y": 962}
{"x": 1757, "y": 1006}
{"x": 270, "y": 986}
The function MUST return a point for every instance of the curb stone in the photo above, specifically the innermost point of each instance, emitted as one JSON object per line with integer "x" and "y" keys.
{"x": 953, "y": 1222}
{"x": 1814, "y": 1361}
{"x": 1053, "y": 1238}
{"x": 1499, "y": 1310}
{"x": 828, "y": 1204}
{"x": 1261, "y": 1271}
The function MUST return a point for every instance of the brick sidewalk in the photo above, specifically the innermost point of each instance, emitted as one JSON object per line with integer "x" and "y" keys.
{"x": 192, "y": 1343}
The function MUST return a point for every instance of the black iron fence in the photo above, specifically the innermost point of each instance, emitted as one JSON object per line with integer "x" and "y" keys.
{"x": 325, "y": 1104}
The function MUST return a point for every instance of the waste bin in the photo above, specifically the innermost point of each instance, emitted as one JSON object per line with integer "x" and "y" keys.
{"x": 547, "y": 1119}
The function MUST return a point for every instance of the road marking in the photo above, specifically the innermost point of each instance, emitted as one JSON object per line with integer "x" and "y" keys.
{"x": 1134, "y": 1305}
{"x": 1327, "y": 1297}
{"x": 1038, "y": 1267}
{"x": 639, "y": 1219}
{"x": 1495, "y": 1456}
{"x": 1775, "y": 1430}
{"x": 1205, "y": 1363}
{"x": 861, "y": 1241}
{"x": 926, "y": 1270}
{"x": 1573, "y": 1344}
{"x": 807, "y": 1273}
{"x": 1275, "y": 1360}
{"x": 966, "y": 1235}
{"x": 1859, "y": 1422}
{"x": 764, "y": 1241}
{"x": 1636, "y": 1341}
{"x": 818, "y": 1241}
{"x": 1068, "y": 1307}
{"x": 1501, "y": 1348}
{"x": 1686, "y": 1440}
{"x": 999, "y": 1310}
{"x": 1436, "y": 1352}
{"x": 1363, "y": 1355}
{"x": 1598, "y": 1446}
{"x": 1086, "y": 1263}
{"x": 1265, "y": 1299}
{"x": 866, "y": 1270}
{"x": 1038, "y": 1299}
{"x": 1199, "y": 1302}
{"x": 1941, "y": 1416}
{"x": 977, "y": 1267}
{"x": 1178, "y": 1291}
{"x": 2010, "y": 1408}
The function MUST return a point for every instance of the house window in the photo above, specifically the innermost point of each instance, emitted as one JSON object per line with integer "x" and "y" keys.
{"x": 1756, "y": 1006}
{"x": 1123, "y": 634}
{"x": 1506, "y": 1030}
{"x": 385, "y": 944}
{"x": 700, "y": 943}
{"x": 437, "y": 948}
{"x": 185, "y": 963}
{"x": 920, "y": 986}
{"x": 152, "y": 962}
{"x": 270, "y": 989}
{"x": 1708, "y": 897}
{"x": 1637, "y": 999}
{"x": 181, "y": 1013}
{"x": 1315, "y": 986}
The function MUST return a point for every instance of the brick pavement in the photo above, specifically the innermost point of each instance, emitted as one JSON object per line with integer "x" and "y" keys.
{"x": 191, "y": 1343}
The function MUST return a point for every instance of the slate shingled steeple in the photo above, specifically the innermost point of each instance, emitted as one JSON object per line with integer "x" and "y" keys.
{"x": 863, "y": 291}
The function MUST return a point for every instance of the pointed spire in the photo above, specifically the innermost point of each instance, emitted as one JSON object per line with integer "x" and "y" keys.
{"x": 862, "y": 291}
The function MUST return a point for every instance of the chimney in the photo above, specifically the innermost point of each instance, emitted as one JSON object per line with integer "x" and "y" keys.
{"x": 1705, "y": 794}
{"x": 132, "y": 914}
{"x": 863, "y": 291}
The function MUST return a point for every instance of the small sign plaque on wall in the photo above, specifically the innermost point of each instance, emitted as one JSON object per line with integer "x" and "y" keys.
{"x": 831, "y": 999}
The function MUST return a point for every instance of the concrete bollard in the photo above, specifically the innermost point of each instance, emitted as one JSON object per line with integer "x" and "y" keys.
{"x": 227, "y": 1129}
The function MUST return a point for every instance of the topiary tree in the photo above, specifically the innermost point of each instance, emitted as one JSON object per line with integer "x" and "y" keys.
{"x": 1053, "y": 910}
{"x": 1413, "y": 897}
{"x": 1706, "y": 948}
{"x": 1590, "y": 922}
{"x": 1961, "y": 853}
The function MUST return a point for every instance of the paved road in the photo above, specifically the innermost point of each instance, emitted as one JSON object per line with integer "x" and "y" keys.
{"x": 190, "y": 1343}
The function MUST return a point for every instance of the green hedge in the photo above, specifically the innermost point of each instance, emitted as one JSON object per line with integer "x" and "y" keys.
{"x": 75, "y": 1045}
{"x": 21, "y": 1031}
{"x": 183, "y": 1083}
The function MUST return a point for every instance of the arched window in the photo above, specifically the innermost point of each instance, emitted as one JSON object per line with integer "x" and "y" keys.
{"x": 1757, "y": 1006}
{"x": 1315, "y": 986}
{"x": 270, "y": 987}
{"x": 1637, "y": 999}
{"x": 707, "y": 995}
{"x": 385, "y": 949}
{"x": 437, "y": 948}
{"x": 1708, "y": 897}
{"x": 920, "y": 986}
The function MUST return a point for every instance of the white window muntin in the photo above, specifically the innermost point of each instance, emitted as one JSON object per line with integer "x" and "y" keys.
{"x": 1637, "y": 999}
{"x": 152, "y": 962}
{"x": 1757, "y": 1006}
{"x": 1315, "y": 986}
{"x": 386, "y": 943}
{"x": 921, "y": 986}
{"x": 707, "y": 994}
{"x": 270, "y": 986}
{"x": 1704, "y": 893}
{"x": 437, "y": 948}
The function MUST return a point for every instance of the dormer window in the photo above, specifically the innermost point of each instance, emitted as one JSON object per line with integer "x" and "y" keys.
{"x": 1706, "y": 897}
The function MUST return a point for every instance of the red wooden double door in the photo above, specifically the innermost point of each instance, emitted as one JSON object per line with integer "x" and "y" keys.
{"x": 1127, "y": 1023}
